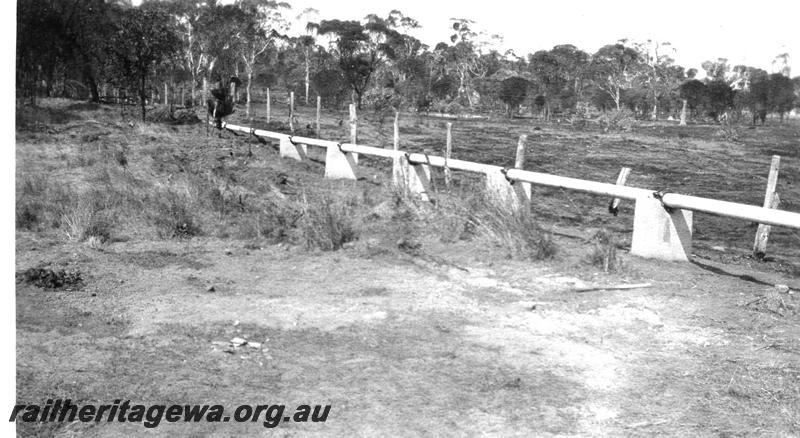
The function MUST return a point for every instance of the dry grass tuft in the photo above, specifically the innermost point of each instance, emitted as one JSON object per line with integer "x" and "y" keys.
{"x": 604, "y": 252}
{"x": 517, "y": 232}
{"x": 328, "y": 223}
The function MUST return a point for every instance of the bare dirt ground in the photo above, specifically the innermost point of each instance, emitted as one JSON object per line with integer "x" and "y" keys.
{"x": 446, "y": 337}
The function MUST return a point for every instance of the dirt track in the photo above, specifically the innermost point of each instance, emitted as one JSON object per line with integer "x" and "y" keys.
{"x": 451, "y": 340}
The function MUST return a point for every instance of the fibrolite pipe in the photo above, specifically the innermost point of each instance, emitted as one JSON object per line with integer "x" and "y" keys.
{"x": 766, "y": 216}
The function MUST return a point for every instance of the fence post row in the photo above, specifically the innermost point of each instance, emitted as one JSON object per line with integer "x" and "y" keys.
{"x": 662, "y": 222}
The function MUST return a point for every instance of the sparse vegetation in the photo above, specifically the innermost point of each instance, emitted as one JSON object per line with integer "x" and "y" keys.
{"x": 517, "y": 232}
{"x": 173, "y": 216}
{"x": 604, "y": 252}
{"x": 617, "y": 121}
{"x": 465, "y": 263}
{"x": 328, "y": 223}
{"x": 47, "y": 278}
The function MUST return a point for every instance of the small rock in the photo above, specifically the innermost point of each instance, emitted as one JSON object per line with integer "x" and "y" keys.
{"x": 349, "y": 245}
{"x": 211, "y": 289}
{"x": 254, "y": 345}
{"x": 237, "y": 341}
{"x": 718, "y": 248}
{"x": 783, "y": 288}
{"x": 235, "y": 323}
{"x": 228, "y": 252}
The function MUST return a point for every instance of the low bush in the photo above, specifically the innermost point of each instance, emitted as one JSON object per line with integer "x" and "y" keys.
{"x": 604, "y": 252}
{"x": 327, "y": 223}
{"x": 172, "y": 216}
{"x": 617, "y": 121}
{"x": 517, "y": 232}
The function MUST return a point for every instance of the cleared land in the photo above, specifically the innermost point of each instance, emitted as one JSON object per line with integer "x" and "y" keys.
{"x": 426, "y": 321}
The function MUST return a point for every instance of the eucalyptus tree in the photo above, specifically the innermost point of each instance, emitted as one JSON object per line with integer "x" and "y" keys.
{"x": 260, "y": 25}
{"x": 143, "y": 39}
{"x": 359, "y": 50}
{"x": 308, "y": 41}
{"x": 404, "y": 69}
{"x": 189, "y": 16}
{"x": 659, "y": 74}
{"x": 62, "y": 43}
{"x": 716, "y": 70}
{"x": 615, "y": 68}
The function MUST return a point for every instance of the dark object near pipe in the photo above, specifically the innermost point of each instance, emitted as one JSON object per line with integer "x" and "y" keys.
{"x": 221, "y": 105}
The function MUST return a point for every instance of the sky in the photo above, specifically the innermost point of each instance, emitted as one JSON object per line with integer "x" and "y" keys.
{"x": 750, "y": 33}
{"x": 698, "y": 30}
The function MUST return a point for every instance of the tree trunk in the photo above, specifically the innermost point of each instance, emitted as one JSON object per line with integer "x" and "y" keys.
{"x": 236, "y": 73}
{"x": 193, "y": 92}
{"x": 143, "y": 97}
{"x": 683, "y": 112}
{"x": 247, "y": 91}
{"x": 307, "y": 75}
{"x": 654, "y": 116}
{"x": 89, "y": 78}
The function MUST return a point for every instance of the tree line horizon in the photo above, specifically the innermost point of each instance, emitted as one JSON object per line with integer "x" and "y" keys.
{"x": 82, "y": 47}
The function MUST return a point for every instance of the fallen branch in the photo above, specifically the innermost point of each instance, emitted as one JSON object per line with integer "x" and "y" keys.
{"x": 612, "y": 287}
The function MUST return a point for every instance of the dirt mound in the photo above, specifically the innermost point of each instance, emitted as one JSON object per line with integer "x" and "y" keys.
{"x": 48, "y": 279}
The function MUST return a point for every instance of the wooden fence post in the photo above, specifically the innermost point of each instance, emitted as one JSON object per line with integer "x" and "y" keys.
{"x": 771, "y": 200}
{"x": 613, "y": 206}
{"x": 448, "y": 151}
{"x": 291, "y": 112}
{"x": 166, "y": 90}
{"x": 205, "y": 91}
{"x": 513, "y": 195}
{"x": 319, "y": 110}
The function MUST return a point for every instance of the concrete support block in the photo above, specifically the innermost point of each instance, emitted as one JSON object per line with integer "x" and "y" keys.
{"x": 661, "y": 234}
{"x": 517, "y": 196}
{"x": 411, "y": 179}
{"x": 339, "y": 165}
{"x": 298, "y": 151}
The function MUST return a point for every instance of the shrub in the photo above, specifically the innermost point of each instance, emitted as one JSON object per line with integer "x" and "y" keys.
{"x": 515, "y": 231}
{"x": 327, "y": 223}
{"x": 89, "y": 218}
{"x": 48, "y": 279}
{"x": 513, "y": 91}
{"x": 274, "y": 223}
{"x": 604, "y": 252}
{"x": 173, "y": 218}
{"x": 617, "y": 120}
{"x": 41, "y": 203}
